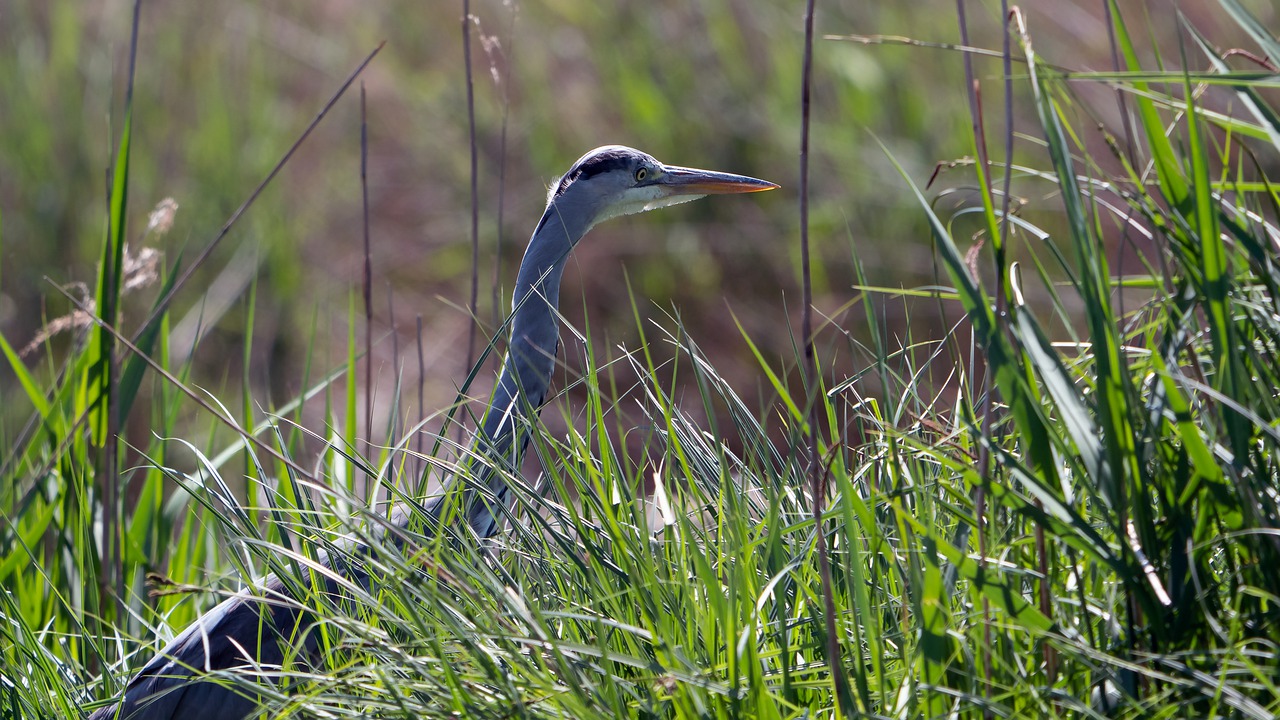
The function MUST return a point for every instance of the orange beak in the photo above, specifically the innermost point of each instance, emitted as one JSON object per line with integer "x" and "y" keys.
{"x": 691, "y": 181}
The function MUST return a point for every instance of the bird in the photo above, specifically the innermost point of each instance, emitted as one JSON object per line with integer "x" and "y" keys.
{"x": 254, "y": 630}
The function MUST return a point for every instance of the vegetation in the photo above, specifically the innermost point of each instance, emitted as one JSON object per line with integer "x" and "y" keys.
{"x": 1066, "y": 503}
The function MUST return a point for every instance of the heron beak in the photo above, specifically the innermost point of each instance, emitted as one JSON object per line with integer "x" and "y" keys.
{"x": 691, "y": 181}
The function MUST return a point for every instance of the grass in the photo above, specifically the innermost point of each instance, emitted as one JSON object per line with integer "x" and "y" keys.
{"x": 1066, "y": 504}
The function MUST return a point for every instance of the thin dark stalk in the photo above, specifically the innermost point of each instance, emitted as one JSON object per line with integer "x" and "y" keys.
{"x": 368, "y": 278}
{"x": 1126, "y": 124}
{"x": 984, "y": 456}
{"x": 496, "y": 300}
{"x": 475, "y": 193}
{"x": 1131, "y": 606}
{"x": 1042, "y": 551}
{"x": 502, "y": 168}
{"x": 1125, "y": 238}
{"x": 816, "y": 479}
{"x": 422, "y": 405}
{"x": 1125, "y": 120}
{"x": 1007, "y": 59}
{"x": 113, "y": 539}
{"x": 398, "y": 365}
{"x": 110, "y": 477}
{"x": 163, "y": 304}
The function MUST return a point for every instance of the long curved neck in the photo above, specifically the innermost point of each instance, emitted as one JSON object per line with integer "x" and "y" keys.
{"x": 531, "y": 354}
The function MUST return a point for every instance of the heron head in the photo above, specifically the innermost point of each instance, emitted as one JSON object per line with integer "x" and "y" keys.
{"x": 615, "y": 180}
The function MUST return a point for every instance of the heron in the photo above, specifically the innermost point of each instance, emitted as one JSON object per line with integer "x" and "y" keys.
{"x": 254, "y": 630}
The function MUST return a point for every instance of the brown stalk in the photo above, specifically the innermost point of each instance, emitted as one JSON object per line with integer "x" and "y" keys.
{"x": 475, "y": 193}
{"x": 984, "y": 453}
{"x": 368, "y": 278}
{"x": 817, "y": 483}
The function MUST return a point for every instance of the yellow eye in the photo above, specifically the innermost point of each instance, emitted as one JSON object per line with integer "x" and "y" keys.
{"x": 641, "y": 174}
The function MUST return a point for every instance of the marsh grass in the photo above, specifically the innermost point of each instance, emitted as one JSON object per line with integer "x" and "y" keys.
{"x": 1065, "y": 505}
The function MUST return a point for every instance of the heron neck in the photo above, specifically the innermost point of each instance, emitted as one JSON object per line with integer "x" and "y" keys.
{"x": 534, "y": 326}
{"x": 530, "y": 360}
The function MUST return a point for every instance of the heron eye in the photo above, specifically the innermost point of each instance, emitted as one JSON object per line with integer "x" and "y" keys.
{"x": 641, "y": 174}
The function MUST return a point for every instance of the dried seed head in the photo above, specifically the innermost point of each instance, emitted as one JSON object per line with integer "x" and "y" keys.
{"x": 161, "y": 219}
{"x": 142, "y": 269}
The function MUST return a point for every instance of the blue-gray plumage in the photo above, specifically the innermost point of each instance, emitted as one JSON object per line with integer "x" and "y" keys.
{"x": 251, "y": 631}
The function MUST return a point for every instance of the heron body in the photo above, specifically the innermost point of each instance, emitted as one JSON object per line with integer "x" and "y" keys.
{"x": 253, "y": 631}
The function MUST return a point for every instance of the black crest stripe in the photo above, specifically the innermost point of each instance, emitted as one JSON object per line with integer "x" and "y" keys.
{"x": 596, "y": 164}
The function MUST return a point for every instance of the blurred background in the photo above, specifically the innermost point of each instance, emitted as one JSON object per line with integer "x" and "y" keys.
{"x": 223, "y": 89}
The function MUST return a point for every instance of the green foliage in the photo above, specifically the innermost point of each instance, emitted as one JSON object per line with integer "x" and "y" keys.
{"x": 1064, "y": 506}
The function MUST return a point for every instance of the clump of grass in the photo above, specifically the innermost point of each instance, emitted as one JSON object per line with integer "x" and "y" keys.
{"x": 1065, "y": 506}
